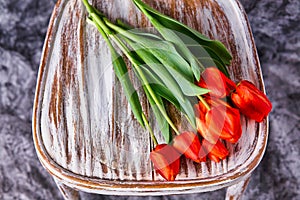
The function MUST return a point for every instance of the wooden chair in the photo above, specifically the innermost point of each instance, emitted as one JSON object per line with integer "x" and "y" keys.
{"x": 83, "y": 129}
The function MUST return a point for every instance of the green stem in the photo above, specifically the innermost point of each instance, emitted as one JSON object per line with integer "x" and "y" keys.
{"x": 204, "y": 102}
{"x": 162, "y": 30}
{"x": 100, "y": 22}
{"x": 123, "y": 32}
{"x": 105, "y": 37}
{"x": 89, "y": 8}
{"x": 125, "y": 50}
{"x": 104, "y": 30}
{"x": 149, "y": 129}
{"x": 123, "y": 25}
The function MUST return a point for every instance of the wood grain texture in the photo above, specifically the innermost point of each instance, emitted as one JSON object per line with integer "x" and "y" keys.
{"x": 84, "y": 131}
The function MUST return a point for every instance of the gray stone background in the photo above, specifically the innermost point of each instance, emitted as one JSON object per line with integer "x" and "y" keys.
{"x": 276, "y": 29}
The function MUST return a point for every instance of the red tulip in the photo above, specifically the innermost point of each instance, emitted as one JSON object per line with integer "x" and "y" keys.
{"x": 188, "y": 143}
{"x": 166, "y": 161}
{"x": 216, "y": 151}
{"x": 218, "y": 84}
{"x": 203, "y": 124}
{"x": 251, "y": 101}
{"x": 221, "y": 121}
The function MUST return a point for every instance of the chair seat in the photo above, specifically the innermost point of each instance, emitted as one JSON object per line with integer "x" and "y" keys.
{"x": 84, "y": 132}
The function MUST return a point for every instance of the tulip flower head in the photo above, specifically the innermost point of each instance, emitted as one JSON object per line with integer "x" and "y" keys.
{"x": 166, "y": 161}
{"x": 216, "y": 151}
{"x": 217, "y": 82}
{"x": 204, "y": 123}
{"x": 220, "y": 121}
{"x": 188, "y": 143}
{"x": 251, "y": 102}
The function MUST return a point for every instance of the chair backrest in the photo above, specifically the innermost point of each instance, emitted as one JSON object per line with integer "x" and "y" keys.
{"x": 84, "y": 131}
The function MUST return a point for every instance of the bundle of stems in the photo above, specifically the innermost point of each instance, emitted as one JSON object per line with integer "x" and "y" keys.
{"x": 165, "y": 64}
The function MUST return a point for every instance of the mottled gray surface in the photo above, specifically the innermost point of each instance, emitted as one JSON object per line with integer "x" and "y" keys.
{"x": 276, "y": 29}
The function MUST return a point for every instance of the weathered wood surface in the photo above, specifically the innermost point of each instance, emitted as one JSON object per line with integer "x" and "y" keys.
{"x": 84, "y": 130}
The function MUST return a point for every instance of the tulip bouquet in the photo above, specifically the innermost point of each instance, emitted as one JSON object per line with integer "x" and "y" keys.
{"x": 175, "y": 66}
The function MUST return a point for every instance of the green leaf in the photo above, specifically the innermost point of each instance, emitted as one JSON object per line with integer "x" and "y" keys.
{"x": 214, "y": 47}
{"x": 121, "y": 72}
{"x": 161, "y": 121}
{"x": 166, "y": 53}
{"x": 137, "y": 31}
{"x": 170, "y": 36}
{"x": 123, "y": 25}
{"x": 132, "y": 56}
{"x": 131, "y": 94}
{"x": 162, "y": 50}
{"x": 208, "y": 61}
{"x": 184, "y": 101}
{"x": 206, "y": 54}
{"x": 168, "y": 80}
{"x": 187, "y": 87}
{"x": 171, "y": 58}
{"x": 155, "y": 65}
{"x": 160, "y": 88}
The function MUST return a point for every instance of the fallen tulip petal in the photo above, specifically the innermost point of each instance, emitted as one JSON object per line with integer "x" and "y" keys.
{"x": 166, "y": 161}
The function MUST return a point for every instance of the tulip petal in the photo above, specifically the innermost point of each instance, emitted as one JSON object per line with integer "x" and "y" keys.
{"x": 251, "y": 102}
{"x": 217, "y": 151}
{"x": 217, "y": 82}
{"x": 221, "y": 121}
{"x": 188, "y": 143}
{"x": 166, "y": 161}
